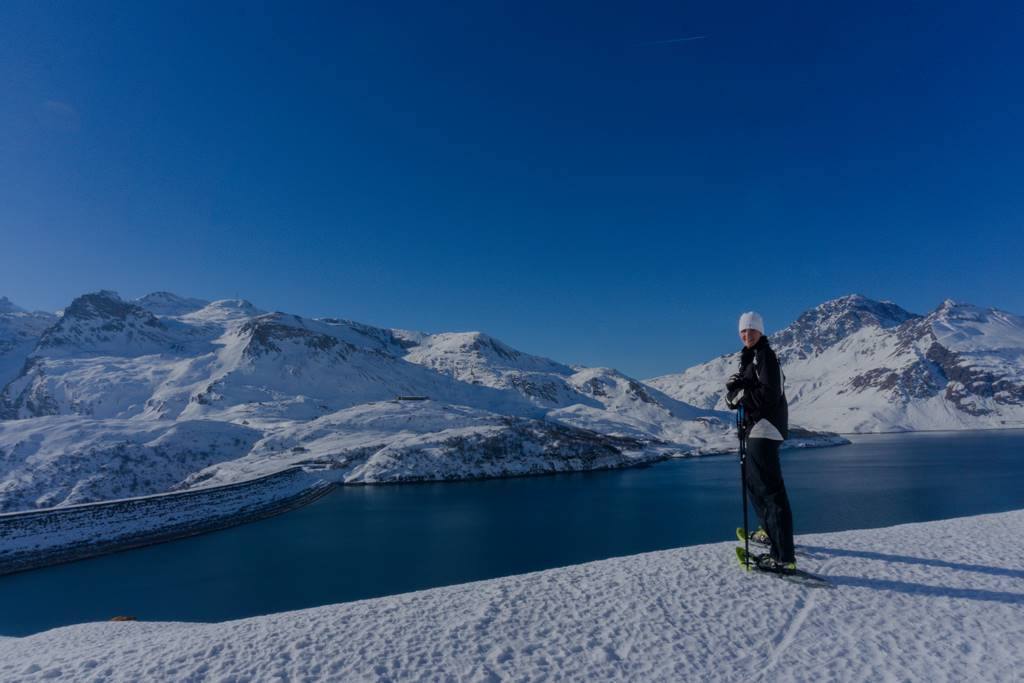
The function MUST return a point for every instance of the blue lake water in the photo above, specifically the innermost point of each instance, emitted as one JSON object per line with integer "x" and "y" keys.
{"x": 368, "y": 541}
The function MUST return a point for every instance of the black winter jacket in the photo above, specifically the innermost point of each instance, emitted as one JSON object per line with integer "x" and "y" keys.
{"x": 764, "y": 395}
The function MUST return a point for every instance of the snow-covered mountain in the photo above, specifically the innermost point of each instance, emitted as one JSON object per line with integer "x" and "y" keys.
{"x": 477, "y": 358}
{"x": 8, "y": 306}
{"x": 104, "y": 357}
{"x": 119, "y": 398}
{"x": 165, "y": 303}
{"x": 20, "y": 331}
{"x": 597, "y": 399}
{"x": 857, "y": 365}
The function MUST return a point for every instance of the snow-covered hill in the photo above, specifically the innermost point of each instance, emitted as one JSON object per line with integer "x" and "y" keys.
{"x": 8, "y": 306}
{"x": 165, "y": 303}
{"x": 104, "y": 357}
{"x": 477, "y": 358}
{"x": 857, "y": 365}
{"x": 68, "y": 459}
{"x": 391, "y": 441}
{"x": 20, "y": 331}
{"x": 599, "y": 399}
{"x": 939, "y": 601}
{"x": 119, "y": 398}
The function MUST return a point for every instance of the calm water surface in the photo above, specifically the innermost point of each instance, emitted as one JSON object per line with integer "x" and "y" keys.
{"x": 362, "y": 542}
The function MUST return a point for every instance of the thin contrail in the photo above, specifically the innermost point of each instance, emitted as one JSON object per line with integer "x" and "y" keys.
{"x": 674, "y": 40}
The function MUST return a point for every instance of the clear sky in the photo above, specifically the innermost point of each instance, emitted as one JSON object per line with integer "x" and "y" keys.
{"x": 573, "y": 178}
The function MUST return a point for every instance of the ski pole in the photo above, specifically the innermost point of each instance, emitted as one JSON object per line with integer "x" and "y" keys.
{"x": 743, "y": 484}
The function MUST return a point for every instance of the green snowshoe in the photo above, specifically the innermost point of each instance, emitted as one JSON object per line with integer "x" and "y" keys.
{"x": 760, "y": 537}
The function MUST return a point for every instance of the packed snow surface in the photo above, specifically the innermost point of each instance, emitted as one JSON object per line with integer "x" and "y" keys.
{"x": 939, "y": 601}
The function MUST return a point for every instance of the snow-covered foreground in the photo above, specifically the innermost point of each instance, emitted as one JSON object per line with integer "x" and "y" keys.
{"x": 931, "y": 602}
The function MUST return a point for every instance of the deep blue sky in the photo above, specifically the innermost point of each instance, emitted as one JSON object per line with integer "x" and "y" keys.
{"x": 556, "y": 177}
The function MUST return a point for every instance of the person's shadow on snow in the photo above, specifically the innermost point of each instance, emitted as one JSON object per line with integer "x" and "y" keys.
{"x": 920, "y": 588}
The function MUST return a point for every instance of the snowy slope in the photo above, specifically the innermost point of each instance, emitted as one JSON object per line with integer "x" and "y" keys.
{"x": 856, "y": 365}
{"x": 108, "y": 358}
{"x": 599, "y": 399}
{"x": 168, "y": 304}
{"x": 627, "y": 407}
{"x": 391, "y": 441}
{"x": 939, "y": 601}
{"x": 477, "y": 358}
{"x": 304, "y": 368}
{"x": 51, "y": 461}
{"x": 104, "y": 357}
{"x": 20, "y": 331}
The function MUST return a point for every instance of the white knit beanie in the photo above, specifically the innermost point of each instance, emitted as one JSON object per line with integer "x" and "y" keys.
{"x": 751, "y": 320}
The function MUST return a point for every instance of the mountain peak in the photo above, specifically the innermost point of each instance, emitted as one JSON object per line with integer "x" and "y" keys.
{"x": 883, "y": 313}
{"x": 8, "y": 306}
{"x": 225, "y": 311}
{"x": 103, "y": 320}
{"x": 479, "y": 358}
{"x": 964, "y": 327}
{"x": 852, "y": 301}
{"x": 474, "y": 342}
{"x": 836, "y": 319}
{"x": 102, "y": 304}
{"x": 951, "y": 310}
{"x": 167, "y": 303}
{"x": 235, "y": 304}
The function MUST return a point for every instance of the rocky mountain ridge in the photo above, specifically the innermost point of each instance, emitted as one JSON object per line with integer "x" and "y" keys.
{"x": 857, "y": 365}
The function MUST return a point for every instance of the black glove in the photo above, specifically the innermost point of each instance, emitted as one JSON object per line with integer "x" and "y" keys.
{"x": 737, "y": 381}
{"x": 733, "y": 398}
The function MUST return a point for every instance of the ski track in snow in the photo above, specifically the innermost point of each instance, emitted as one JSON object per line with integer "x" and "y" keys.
{"x": 939, "y": 601}
{"x": 804, "y": 605}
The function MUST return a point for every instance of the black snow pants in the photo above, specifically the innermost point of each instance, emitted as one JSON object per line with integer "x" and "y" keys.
{"x": 768, "y": 494}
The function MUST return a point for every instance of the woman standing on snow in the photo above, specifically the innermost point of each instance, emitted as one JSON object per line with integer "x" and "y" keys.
{"x": 766, "y": 424}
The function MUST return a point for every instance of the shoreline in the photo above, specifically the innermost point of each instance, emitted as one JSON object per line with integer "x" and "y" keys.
{"x": 936, "y": 431}
{"x": 39, "y": 549}
{"x": 35, "y": 539}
